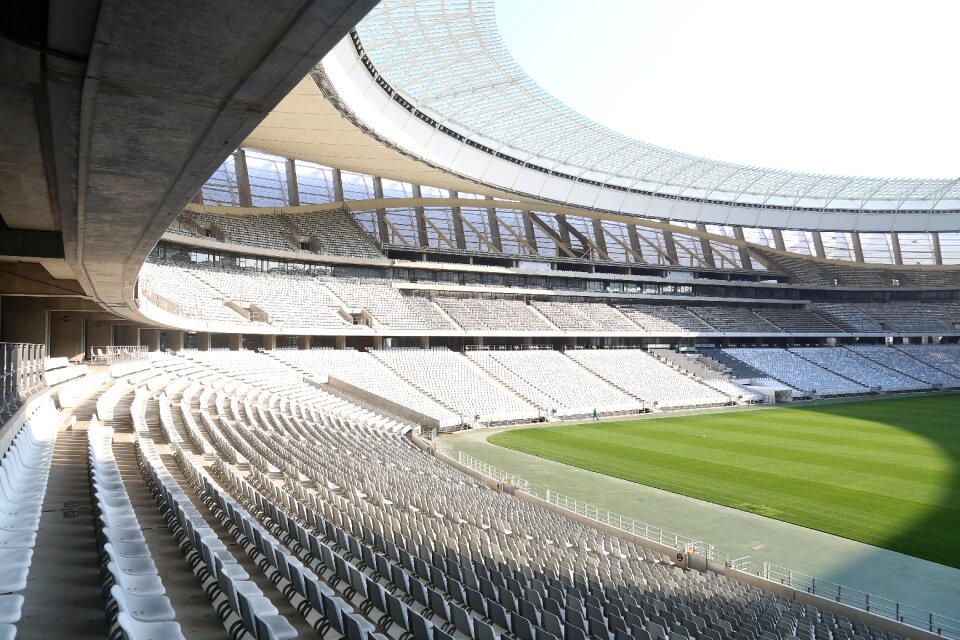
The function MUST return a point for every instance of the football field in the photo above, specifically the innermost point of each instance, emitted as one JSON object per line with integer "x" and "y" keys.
{"x": 885, "y": 472}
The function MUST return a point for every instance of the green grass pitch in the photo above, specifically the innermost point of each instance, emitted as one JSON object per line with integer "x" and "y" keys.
{"x": 885, "y": 472}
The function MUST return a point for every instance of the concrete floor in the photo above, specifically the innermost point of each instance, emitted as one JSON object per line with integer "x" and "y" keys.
{"x": 910, "y": 580}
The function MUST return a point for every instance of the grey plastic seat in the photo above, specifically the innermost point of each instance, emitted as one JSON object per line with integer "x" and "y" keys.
{"x": 143, "y": 608}
{"x": 134, "y": 629}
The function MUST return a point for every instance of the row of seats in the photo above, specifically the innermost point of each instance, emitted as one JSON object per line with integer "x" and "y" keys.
{"x": 24, "y": 472}
{"x": 797, "y": 372}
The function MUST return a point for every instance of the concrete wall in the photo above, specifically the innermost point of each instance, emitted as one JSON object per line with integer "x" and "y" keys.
{"x": 66, "y": 335}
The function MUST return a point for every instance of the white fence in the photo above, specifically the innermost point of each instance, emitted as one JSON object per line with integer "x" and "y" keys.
{"x": 21, "y": 374}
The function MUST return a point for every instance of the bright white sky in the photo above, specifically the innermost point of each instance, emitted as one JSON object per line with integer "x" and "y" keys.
{"x": 860, "y": 87}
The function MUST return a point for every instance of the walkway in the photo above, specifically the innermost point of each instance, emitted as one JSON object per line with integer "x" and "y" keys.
{"x": 910, "y": 580}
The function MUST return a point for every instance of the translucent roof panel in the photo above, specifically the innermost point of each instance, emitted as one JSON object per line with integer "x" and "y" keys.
{"x": 448, "y": 59}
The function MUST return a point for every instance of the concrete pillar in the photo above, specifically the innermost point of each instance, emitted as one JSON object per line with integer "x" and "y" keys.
{"x": 478, "y": 340}
{"x": 342, "y": 341}
{"x": 150, "y": 338}
{"x": 337, "y": 185}
{"x": 857, "y": 247}
{"x": 598, "y": 236}
{"x": 493, "y": 223}
{"x": 778, "y": 240}
{"x": 423, "y": 238}
{"x": 270, "y": 342}
{"x": 670, "y": 247}
{"x": 895, "y": 245}
{"x": 818, "y": 244}
{"x": 382, "y": 228}
{"x": 744, "y": 252}
{"x": 243, "y": 178}
{"x": 127, "y": 335}
{"x": 706, "y": 248}
{"x": 634, "y": 239}
{"x": 303, "y": 342}
{"x": 528, "y": 231}
{"x": 293, "y": 187}
{"x": 459, "y": 237}
{"x": 235, "y": 341}
{"x": 935, "y": 243}
{"x": 203, "y": 341}
{"x": 424, "y": 342}
{"x": 527, "y": 340}
{"x": 174, "y": 340}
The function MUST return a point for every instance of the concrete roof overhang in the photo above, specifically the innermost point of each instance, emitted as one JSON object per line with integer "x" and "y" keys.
{"x": 114, "y": 114}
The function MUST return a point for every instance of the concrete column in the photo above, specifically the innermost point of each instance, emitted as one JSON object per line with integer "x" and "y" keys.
{"x": 293, "y": 187}
{"x": 818, "y": 244}
{"x": 745, "y": 260}
{"x": 670, "y": 247}
{"x": 778, "y": 240}
{"x": 243, "y": 178}
{"x": 935, "y": 242}
{"x": 634, "y": 239}
{"x": 706, "y": 248}
{"x": 174, "y": 340}
{"x": 381, "y": 213}
{"x": 857, "y": 247}
{"x": 337, "y": 185}
{"x": 235, "y": 341}
{"x": 150, "y": 338}
{"x": 528, "y": 231}
{"x": 478, "y": 340}
{"x": 493, "y": 222}
{"x": 527, "y": 340}
{"x": 423, "y": 238}
{"x": 127, "y": 335}
{"x": 269, "y": 342}
{"x": 598, "y": 236}
{"x": 459, "y": 238}
{"x": 342, "y": 341}
{"x": 424, "y": 342}
{"x": 203, "y": 341}
{"x": 895, "y": 245}
{"x": 303, "y": 342}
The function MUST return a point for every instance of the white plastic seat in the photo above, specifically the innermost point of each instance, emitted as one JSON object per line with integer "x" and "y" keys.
{"x": 136, "y": 585}
{"x": 143, "y": 608}
{"x": 134, "y": 629}
{"x": 135, "y": 566}
{"x": 16, "y": 565}
{"x": 10, "y": 606}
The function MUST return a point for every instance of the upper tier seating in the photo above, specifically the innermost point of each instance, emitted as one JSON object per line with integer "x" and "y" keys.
{"x": 734, "y": 319}
{"x": 265, "y": 231}
{"x": 906, "y": 364}
{"x": 553, "y": 382}
{"x": 458, "y": 384}
{"x": 643, "y": 376}
{"x": 585, "y": 316}
{"x": 797, "y": 372}
{"x": 336, "y": 232}
{"x": 851, "y": 365}
{"x": 496, "y": 314}
{"x": 847, "y": 316}
{"x": 798, "y": 320}
{"x": 386, "y": 304}
{"x": 668, "y": 319}
{"x": 364, "y": 371}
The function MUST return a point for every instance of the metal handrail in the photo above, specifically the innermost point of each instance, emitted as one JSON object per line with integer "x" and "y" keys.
{"x": 21, "y": 374}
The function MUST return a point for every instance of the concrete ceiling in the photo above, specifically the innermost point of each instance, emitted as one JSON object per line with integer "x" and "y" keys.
{"x": 113, "y": 114}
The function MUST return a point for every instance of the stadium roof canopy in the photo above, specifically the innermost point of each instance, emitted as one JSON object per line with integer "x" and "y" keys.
{"x": 434, "y": 78}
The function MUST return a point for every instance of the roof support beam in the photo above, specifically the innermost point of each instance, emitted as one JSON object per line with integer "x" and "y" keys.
{"x": 598, "y": 238}
{"x": 585, "y": 242}
{"x": 528, "y": 230}
{"x": 706, "y": 248}
{"x": 635, "y": 241}
{"x": 895, "y": 245}
{"x": 935, "y": 242}
{"x": 555, "y": 236}
{"x": 243, "y": 178}
{"x": 745, "y": 261}
{"x": 337, "y": 185}
{"x": 627, "y": 249}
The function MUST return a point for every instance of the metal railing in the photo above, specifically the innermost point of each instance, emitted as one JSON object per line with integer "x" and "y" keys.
{"x": 929, "y": 621}
{"x": 593, "y": 512}
{"x": 114, "y": 354}
{"x": 21, "y": 374}
{"x": 884, "y": 607}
